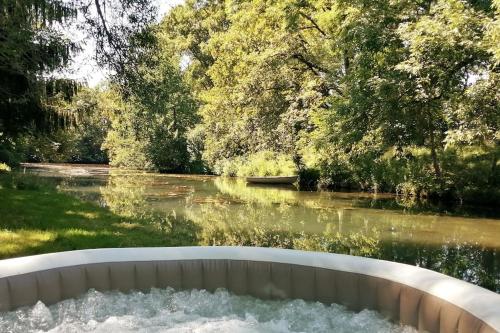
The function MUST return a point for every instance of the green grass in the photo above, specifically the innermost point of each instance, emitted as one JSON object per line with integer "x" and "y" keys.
{"x": 42, "y": 220}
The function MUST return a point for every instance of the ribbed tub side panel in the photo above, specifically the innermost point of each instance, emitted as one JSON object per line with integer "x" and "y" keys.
{"x": 265, "y": 280}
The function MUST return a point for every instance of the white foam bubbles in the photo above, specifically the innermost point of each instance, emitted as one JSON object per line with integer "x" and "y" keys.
{"x": 166, "y": 310}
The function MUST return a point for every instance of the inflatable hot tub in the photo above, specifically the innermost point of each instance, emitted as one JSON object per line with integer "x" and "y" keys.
{"x": 426, "y": 300}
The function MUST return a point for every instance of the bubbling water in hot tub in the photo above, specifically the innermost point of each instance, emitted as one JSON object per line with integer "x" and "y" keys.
{"x": 166, "y": 310}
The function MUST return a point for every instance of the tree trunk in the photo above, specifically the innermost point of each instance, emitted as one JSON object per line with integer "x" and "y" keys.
{"x": 346, "y": 62}
{"x": 435, "y": 162}
{"x": 494, "y": 161}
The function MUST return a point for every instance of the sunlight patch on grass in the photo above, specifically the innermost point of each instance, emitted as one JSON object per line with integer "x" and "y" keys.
{"x": 87, "y": 215}
{"x": 21, "y": 241}
{"x": 128, "y": 225}
{"x": 78, "y": 232}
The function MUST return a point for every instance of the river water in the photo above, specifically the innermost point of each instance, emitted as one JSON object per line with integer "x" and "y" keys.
{"x": 459, "y": 241}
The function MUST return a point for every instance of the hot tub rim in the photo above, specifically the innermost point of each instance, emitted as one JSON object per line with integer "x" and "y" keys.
{"x": 481, "y": 303}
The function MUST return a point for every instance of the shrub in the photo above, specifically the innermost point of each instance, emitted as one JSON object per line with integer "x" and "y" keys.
{"x": 468, "y": 173}
{"x": 263, "y": 163}
{"x": 8, "y": 152}
{"x": 4, "y": 167}
{"x": 267, "y": 163}
{"x": 309, "y": 178}
{"x": 229, "y": 167}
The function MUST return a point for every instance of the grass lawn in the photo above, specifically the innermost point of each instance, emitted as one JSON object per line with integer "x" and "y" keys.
{"x": 42, "y": 220}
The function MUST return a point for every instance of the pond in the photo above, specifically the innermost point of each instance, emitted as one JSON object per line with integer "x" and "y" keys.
{"x": 463, "y": 242}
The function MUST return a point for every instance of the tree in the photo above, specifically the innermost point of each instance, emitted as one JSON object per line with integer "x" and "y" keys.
{"x": 32, "y": 48}
{"x": 121, "y": 31}
{"x": 378, "y": 95}
{"x": 443, "y": 57}
{"x": 35, "y": 51}
{"x": 184, "y": 35}
{"x": 249, "y": 71}
{"x": 148, "y": 128}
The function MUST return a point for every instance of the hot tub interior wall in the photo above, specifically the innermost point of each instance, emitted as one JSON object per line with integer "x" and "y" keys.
{"x": 265, "y": 280}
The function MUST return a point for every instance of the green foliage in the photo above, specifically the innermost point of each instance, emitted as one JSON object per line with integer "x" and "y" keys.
{"x": 267, "y": 163}
{"x": 125, "y": 143}
{"x": 242, "y": 65}
{"x": 54, "y": 147}
{"x": 493, "y": 33}
{"x": 8, "y": 153}
{"x": 89, "y": 128}
{"x": 32, "y": 48}
{"x": 264, "y": 163}
{"x": 37, "y": 115}
{"x": 228, "y": 167}
{"x": 380, "y": 96}
{"x": 150, "y": 119}
{"x": 78, "y": 141}
{"x": 122, "y": 33}
{"x": 466, "y": 172}
{"x": 195, "y": 138}
{"x": 4, "y": 167}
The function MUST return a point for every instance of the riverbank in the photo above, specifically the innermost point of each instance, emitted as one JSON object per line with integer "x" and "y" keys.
{"x": 484, "y": 203}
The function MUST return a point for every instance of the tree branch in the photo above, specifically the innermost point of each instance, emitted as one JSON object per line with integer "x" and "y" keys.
{"x": 103, "y": 21}
{"x": 310, "y": 19}
{"x": 317, "y": 70}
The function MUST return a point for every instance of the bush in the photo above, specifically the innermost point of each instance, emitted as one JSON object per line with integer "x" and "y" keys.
{"x": 229, "y": 167}
{"x": 195, "y": 138}
{"x": 168, "y": 152}
{"x": 126, "y": 152}
{"x": 468, "y": 173}
{"x": 8, "y": 151}
{"x": 267, "y": 163}
{"x": 4, "y": 167}
{"x": 309, "y": 178}
{"x": 263, "y": 163}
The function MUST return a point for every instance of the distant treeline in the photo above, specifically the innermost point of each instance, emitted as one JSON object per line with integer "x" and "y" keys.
{"x": 399, "y": 96}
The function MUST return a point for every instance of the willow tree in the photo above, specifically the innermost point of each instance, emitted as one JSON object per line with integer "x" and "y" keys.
{"x": 36, "y": 49}
{"x": 32, "y": 47}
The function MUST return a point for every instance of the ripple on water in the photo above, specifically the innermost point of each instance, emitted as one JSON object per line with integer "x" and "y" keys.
{"x": 166, "y": 310}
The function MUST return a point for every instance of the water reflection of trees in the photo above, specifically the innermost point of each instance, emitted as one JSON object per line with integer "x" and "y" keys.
{"x": 124, "y": 194}
{"x": 250, "y": 225}
{"x": 411, "y": 205}
{"x": 238, "y": 188}
{"x": 221, "y": 225}
{"x": 129, "y": 195}
{"x": 468, "y": 262}
{"x": 276, "y": 218}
